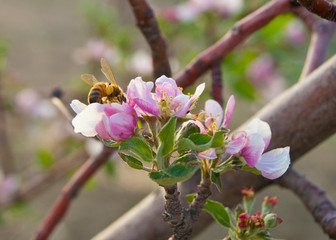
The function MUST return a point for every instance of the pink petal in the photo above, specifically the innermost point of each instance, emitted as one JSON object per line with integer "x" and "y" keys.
{"x": 237, "y": 142}
{"x": 208, "y": 154}
{"x": 229, "y": 110}
{"x": 137, "y": 88}
{"x": 148, "y": 107}
{"x": 166, "y": 85}
{"x": 253, "y": 149}
{"x": 274, "y": 163}
{"x": 214, "y": 110}
{"x": 101, "y": 129}
{"x": 86, "y": 121}
{"x": 261, "y": 127}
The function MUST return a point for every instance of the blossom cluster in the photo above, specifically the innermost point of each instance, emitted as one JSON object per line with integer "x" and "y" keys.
{"x": 118, "y": 122}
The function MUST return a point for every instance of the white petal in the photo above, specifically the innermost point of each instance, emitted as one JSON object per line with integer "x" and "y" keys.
{"x": 77, "y": 106}
{"x": 274, "y": 163}
{"x": 261, "y": 127}
{"x": 214, "y": 110}
{"x": 85, "y": 122}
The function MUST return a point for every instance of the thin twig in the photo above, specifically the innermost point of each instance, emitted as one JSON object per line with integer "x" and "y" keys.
{"x": 70, "y": 191}
{"x": 322, "y": 32}
{"x": 322, "y": 8}
{"x": 6, "y": 158}
{"x": 217, "y": 83}
{"x": 149, "y": 27}
{"x": 316, "y": 200}
{"x": 238, "y": 33}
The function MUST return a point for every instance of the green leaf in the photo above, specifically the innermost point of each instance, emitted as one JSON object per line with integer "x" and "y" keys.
{"x": 131, "y": 161}
{"x": 187, "y": 158}
{"x": 175, "y": 173}
{"x": 215, "y": 178}
{"x": 245, "y": 89}
{"x": 233, "y": 235}
{"x": 200, "y": 139}
{"x": 216, "y": 209}
{"x": 249, "y": 169}
{"x": 45, "y": 158}
{"x": 218, "y": 139}
{"x": 166, "y": 136}
{"x": 139, "y": 147}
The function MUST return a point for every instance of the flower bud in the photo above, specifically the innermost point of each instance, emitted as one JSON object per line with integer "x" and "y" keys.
{"x": 257, "y": 221}
{"x": 272, "y": 220}
{"x": 243, "y": 220}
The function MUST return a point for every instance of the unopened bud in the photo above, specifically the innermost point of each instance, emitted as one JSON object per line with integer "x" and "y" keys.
{"x": 257, "y": 221}
{"x": 272, "y": 220}
{"x": 243, "y": 220}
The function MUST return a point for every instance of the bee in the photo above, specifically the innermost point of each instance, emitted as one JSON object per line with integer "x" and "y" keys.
{"x": 104, "y": 92}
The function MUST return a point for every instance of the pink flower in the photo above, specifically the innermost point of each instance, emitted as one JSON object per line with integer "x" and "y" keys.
{"x": 251, "y": 144}
{"x": 110, "y": 121}
{"x": 213, "y": 114}
{"x": 208, "y": 154}
{"x": 139, "y": 94}
{"x": 168, "y": 100}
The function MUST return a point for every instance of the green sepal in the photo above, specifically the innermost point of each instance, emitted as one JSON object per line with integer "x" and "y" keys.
{"x": 109, "y": 143}
{"x": 173, "y": 174}
{"x": 215, "y": 178}
{"x": 216, "y": 209}
{"x": 249, "y": 169}
{"x": 139, "y": 147}
{"x": 131, "y": 161}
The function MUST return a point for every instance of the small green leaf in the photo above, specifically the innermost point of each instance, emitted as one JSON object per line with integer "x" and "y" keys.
{"x": 218, "y": 139}
{"x": 166, "y": 136}
{"x": 215, "y": 178}
{"x": 131, "y": 161}
{"x": 200, "y": 139}
{"x": 218, "y": 212}
{"x": 187, "y": 158}
{"x": 216, "y": 209}
{"x": 249, "y": 169}
{"x": 175, "y": 173}
{"x": 139, "y": 147}
{"x": 45, "y": 158}
{"x": 233, "y": 235}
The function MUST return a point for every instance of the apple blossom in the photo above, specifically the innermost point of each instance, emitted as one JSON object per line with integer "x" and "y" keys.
{"x": 167, "y": 101}
{"x": 110, "y": 121}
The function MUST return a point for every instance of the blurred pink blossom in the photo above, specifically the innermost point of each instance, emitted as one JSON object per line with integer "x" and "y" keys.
{"x": 191, "y": 9}
{"x": 295, "y": 33}
{"x": 264, "y": 76}
{"x": 31, "y": 103}
{"x": 141, "y": 63}
{"x": 94, "y": 50}
{"x": 8, "y": 186}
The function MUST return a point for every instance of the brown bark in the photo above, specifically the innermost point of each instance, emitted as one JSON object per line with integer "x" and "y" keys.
{"x": 301, "y": 117}
{"x": 150, "y": 29}
{"x": 322, "y": 8}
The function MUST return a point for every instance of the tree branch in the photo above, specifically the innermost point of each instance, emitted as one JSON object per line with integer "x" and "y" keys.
{"x": 322, "y": 32}
{"x": 70, "y": 191}
{"x": 238, "y": 33}
{"x": 316, "y": 200}
{"x": 322, "y": 8}
{"x": 301, "y": 117}
{"x": 217, "y": 83}
{"x": 150, "y": 29}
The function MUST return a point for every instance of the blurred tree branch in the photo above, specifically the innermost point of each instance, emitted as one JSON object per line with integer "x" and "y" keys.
{"x": 321, "y": 34}
{"x": 70, "y": 191}
{"x": 217, "y": 83}
{"x": 238, "y": 33}
{"x": 316, "y": 200}
{"x": 302, "y": 117}
{"x": 150, "y": 29}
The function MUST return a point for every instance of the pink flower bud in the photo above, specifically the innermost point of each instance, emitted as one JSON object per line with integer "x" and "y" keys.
{"x": 243, "y": 220}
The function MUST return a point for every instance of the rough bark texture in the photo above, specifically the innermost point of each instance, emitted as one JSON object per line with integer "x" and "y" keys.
{"x": 323, "y": 8}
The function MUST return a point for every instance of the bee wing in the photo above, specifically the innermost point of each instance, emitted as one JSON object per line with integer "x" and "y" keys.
{"x": 106, "y": 69}
{"x": 89, "y": 79}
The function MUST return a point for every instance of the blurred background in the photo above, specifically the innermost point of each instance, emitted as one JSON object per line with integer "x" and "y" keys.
{"x": 44, "y": 48}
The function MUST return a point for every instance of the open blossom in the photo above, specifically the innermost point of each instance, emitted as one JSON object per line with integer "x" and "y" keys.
{"x": 251, "y": 143}
{"x": 167, "y": 101}
{"x": 110, "y": 121}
